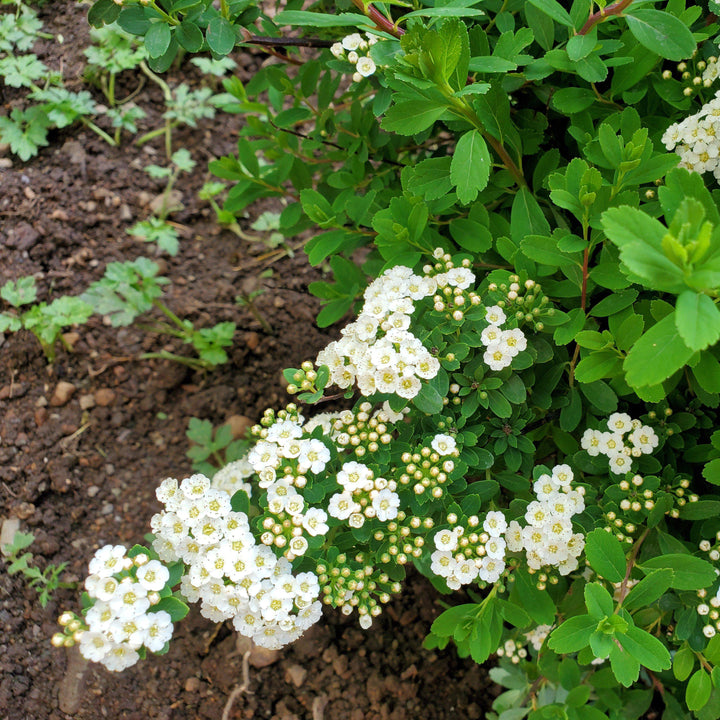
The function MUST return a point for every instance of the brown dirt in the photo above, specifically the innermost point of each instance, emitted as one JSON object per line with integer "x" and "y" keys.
{"x": 80, "y": 478}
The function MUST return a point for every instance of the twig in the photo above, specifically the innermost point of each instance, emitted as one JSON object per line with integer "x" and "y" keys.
{"x": 239, "y": 689}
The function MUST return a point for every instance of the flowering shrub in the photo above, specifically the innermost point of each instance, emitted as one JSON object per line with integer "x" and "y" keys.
{"x": 534, "y": 345}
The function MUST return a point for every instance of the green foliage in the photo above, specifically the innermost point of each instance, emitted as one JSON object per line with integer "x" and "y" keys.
{"x": 212, "y": 448}
{"x": 44, "y": 581}
{"x": 45, "y": 321}
{"x": 526, "y": 139}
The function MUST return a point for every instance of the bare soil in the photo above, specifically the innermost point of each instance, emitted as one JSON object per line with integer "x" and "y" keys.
{"x": 78, "y": 468}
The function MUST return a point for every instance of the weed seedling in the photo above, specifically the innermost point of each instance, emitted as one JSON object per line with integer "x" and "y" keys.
{"x": 45, "y": 581}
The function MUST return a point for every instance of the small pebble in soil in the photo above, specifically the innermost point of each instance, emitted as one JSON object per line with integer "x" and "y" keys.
{"x": 295, "y": 674}
{"x": 104, "y": 397}
{"x": 63, "y": 392}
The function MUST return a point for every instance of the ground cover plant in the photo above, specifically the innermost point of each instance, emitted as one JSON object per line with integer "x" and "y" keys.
{"x": 534, "y": 346}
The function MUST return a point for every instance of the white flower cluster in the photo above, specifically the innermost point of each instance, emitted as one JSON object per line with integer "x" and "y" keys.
{"x": 501, "y": 345}
{"x": 536, "y": 637}
{"x": 697, "y": 138}
{"x": 378, "y": 350}
{"x": 232, "y": 477}
{"x": 363, "y": 496}
{"x": 548, "y": 538}
{"x": 350, "y": 47}
{"x": 121, "y": 621}
{"x": 513, "y": 651}
{"x": 642, "y": 440}
{"x": 232, "y": 576}
{"x": 462, "y": 556}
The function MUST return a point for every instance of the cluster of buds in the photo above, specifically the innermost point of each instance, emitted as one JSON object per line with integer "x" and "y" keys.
{"x": 353, "y": 584}
{"x": 427, "y": 469}
{"x": 362, "y": 432}
{"x": 72, "y": 630}
{"x": 702, "y": 74}
{"x": 513, "y": 650}
{"x": 523, "y": 299}
{"x": 452, "y": 297}
{"x": 403, "y": 538}
{"x": 709, "y": 609}
{"x": 350, "y": 48}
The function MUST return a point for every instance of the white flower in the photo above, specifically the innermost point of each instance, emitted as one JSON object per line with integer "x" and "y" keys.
{"x": 495, "y": 524}
{"x": 446, "y": 540}
{"x": 95, "y": 645}
{"x": 352, "y": 42}
{"x": 495, "y": 315}
{"x": 443, "y": 444}
{"x": 153, "y": 575}
{"x": 497, "y": 356}
{"x": 120, "y": 657}
{"x": 619, "y": 423}
{"x": 386, "y": 504}
{"x": 591, "y": 442}
{"x": 513, "y": 341}
{"x": 644, "y": 438}
{"x": 365, "y": 66}
{"x": 108, "y": 560}
{"x": 337, "y": 50}
{"x": 342, "y": 505}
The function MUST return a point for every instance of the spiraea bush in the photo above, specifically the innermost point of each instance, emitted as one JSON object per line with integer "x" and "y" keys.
{"x": 531, "y": 349}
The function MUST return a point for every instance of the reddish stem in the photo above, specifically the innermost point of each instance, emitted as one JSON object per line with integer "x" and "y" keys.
{"x": 379, "y": 19}
{"x": 614, "y": 9}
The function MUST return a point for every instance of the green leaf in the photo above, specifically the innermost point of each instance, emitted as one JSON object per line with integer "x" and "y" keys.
{"x": 711, "y": 472}
{"x": 683, "y": 663}
{"x": 189, "y": 36}
{"x": 536, "y": 603}
{"x": 573, "y": 635}
{"x": 220, "y": 35}
{"x": 645, "y": 648}
{"x": 605, "y": 555}
{"x": 157, "y": 39}
{"x": 445, "y": 624}
{"x": 573, "y": 100}
{"x": 175, "y": 607}
{"x": 707, "y": 372}
{"x": 689, "y": 572}
{"x": 661, "y": 33}
{"x": 598, "y": 600}
{"x": 470, "y": 167}
{"x": 409, "y": 117}
{"x": 321, "y": 20}
{"x": 103, "y": 11}
{"x": 555, "y": 10}
{"x": 428, "y": 400}
{"x": 697, "y": 319}
{"x": 700, "y": 510}
{"x": 526, "y": 217}
{"x": 656, "y": 355}
{"x": 625, "y": 667}
{"x": 649, "y": 589}
{"x": 698, "y": 690}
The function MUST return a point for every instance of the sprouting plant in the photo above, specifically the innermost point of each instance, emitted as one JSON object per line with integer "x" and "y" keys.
{"x": 45, "y": 321}
{"x": 213, "y": 448}
{"x": 247, "y": 299}
{"x": 44, "y": 581}
{"x": 157, "y": 229}
{"x": 219, "y": 67}
{"x": 133, "y": 288}
{"x": 184, "y": 107}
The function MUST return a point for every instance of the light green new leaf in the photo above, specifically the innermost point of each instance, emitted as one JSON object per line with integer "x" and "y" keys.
{"x": 325, "y": 20}
{"x": 573, "y": 635}
{"x": 625, "y": 224}
{"x": 598, "y": 601}
{"x": 661, "y": 33}
{"x": 605, "y": 555}
{"x": 555, "y": 10}
{"x": 470, "y": 167}
{"x": 656, "y": 355}
{"x": 697, "y": 319}
{"x": 698, "y": 690}
{"x": 625, "y": 667}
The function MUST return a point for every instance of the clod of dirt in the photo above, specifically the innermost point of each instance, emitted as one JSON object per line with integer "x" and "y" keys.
{"x": 7, "y": 533}
{"x": 72, "y": 685}
{"x": 104, "y": 397}
{"x": 63, "y": 392}
{"x": 22, "y": 237}
{"x": 239, "y": 424}
{"x": 259, "y": 657}
{"x": 87, "y": 402}
{"x": 295, "y": 674}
